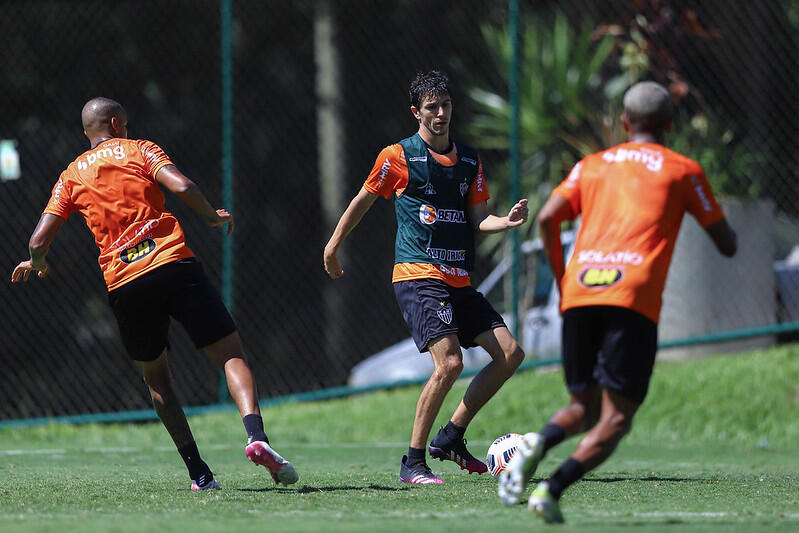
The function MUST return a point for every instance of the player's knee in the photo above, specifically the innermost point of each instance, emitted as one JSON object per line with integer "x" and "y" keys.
{"x": 514, "y": 357}
{"x": 449, "y": 369}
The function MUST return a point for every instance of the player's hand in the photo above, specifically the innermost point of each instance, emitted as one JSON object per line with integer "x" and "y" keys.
{"x": 518, "y": 214}
{"x": 222, "y": 218}
{"x": 333, "y": 265}
{"x": 23, "y": 271}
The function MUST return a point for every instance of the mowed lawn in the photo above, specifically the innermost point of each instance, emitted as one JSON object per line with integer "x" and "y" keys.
{"x": 714, "y": 448}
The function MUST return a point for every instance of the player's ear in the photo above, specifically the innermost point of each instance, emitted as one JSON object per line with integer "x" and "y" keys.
{"x": 415, "y": 112}
{"x": 625, "y": 122}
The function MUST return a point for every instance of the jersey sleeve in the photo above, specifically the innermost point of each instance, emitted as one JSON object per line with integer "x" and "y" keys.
{"x": 154, "y": 157}
{"x": 699, "y": 198}
{"x": 570, "y": 188}
{"x": 389, "y": 173}
{"x": 60, "y": 203}
{"x": 478, "y": 190}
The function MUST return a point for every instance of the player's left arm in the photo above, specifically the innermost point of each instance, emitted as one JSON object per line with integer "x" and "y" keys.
{"x": 176, "y": 182}
{"x": 724, "y": 237}
{"x": 39, "y": 244}
{"x": 702, "y": 204}
{"x": 484, "y": 221}
{"x": 477, "y": 207}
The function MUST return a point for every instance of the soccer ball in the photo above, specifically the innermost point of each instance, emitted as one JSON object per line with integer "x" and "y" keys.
{"x": 500, "y": 452}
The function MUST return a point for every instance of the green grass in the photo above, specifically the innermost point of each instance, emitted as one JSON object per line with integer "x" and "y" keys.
{"x": 713, "y": 448}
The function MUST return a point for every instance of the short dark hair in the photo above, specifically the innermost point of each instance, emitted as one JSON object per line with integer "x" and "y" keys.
{"x": 433, "y": 83}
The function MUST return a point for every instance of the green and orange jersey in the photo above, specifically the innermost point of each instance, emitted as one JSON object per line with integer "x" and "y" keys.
{"x": 632, "y": 199}
{"x": 390, "y": 176}
{"x": 113, "y": 187}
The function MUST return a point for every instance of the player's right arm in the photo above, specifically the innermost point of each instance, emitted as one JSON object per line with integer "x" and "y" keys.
{"x": 352, "y": 215}
{"x": 389, "y": 174}
{"x": 39, "y": 244}
{"x": 555, "y": 210}
{"x": 176, "y": 182}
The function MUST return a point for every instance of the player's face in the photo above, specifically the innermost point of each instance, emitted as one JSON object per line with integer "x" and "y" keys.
{"x": 434, "y": 114}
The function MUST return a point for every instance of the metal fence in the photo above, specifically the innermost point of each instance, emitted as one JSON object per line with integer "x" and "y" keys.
{"x": 317, "y": 88}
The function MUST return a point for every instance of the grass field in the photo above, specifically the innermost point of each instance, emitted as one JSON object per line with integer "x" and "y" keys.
{"x": 713, "y": 449}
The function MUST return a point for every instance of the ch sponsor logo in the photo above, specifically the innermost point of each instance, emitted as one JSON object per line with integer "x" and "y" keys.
{"x": 429, "y": 189}
{"x": 600, "y": 277}
{"x": 622, "y": 257}
{"x": 442, "y": 254}
{"x": 464, "y": 188}
{"x": 137, "y": 251}
{"x": 117, "y": 152}
{"x": 430, "y": 215}
{"x": 445, "y": 312}
{"x": 651, "y": 159}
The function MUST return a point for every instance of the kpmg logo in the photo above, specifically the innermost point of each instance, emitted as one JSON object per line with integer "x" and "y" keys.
{"x": 651, "y": 159}
{"x": 420, "y": 159}
{"x": 469, "y": 160}
{"x": 103, "y": 153}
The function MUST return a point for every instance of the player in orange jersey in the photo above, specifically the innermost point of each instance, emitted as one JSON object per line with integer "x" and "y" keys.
{"x": 115, "y": 187}
{"x": 440, "y": 201}
{"x": 632, "y": 198}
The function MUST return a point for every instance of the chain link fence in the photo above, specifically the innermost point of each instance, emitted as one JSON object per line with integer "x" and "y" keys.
{"x": 319, "y": 87}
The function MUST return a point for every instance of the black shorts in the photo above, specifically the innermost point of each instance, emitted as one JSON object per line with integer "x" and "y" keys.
{"x": 431, "y": 308}
{"x": 612, "y": 346}
{"x": 181, "y": 290}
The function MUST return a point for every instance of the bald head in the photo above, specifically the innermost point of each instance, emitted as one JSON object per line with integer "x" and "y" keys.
{"x": 648, "y": 107}
{"x": 97, "y": 113}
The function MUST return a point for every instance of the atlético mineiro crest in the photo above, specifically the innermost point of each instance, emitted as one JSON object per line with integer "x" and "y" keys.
{"x": 445, "y": 313}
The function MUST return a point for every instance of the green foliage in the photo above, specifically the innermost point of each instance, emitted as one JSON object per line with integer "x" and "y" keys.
{"x": 731, "y": 163}
{"x": 560, "y": 81}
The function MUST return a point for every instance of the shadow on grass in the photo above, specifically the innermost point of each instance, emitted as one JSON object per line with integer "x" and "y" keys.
{"x": 649, "y": 478}
{"x": 305, "y": 489}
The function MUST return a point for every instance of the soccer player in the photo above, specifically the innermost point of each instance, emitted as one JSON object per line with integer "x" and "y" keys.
{"x": 440, "y": 200}
{"x": 152, "y": 274}
{"x": 632, "y": 199}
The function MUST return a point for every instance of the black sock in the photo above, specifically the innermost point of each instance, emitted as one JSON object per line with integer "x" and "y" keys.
{"x": 254, "y": 425}
{"x": 569, "y": 472}
{"x": 553, "y": 435}
{"x": 196, "y": 466}
{"x": 454, "y": 433}
{"x": 415, "y": 456}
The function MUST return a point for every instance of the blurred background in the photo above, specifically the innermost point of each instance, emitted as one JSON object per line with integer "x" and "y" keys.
{"x": 278, "y": 111}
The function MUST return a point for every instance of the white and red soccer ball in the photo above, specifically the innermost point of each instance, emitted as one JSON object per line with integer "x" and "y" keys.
{"x": 500, "y": 452}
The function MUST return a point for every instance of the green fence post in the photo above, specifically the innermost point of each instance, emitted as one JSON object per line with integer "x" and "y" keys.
{"x": 226, "y": 74}
{"x": 513, "y": 89}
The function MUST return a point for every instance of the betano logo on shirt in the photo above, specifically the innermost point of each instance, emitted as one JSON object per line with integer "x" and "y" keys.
{"x": 430, "y": 215}
{"x": 103, "y": 153}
